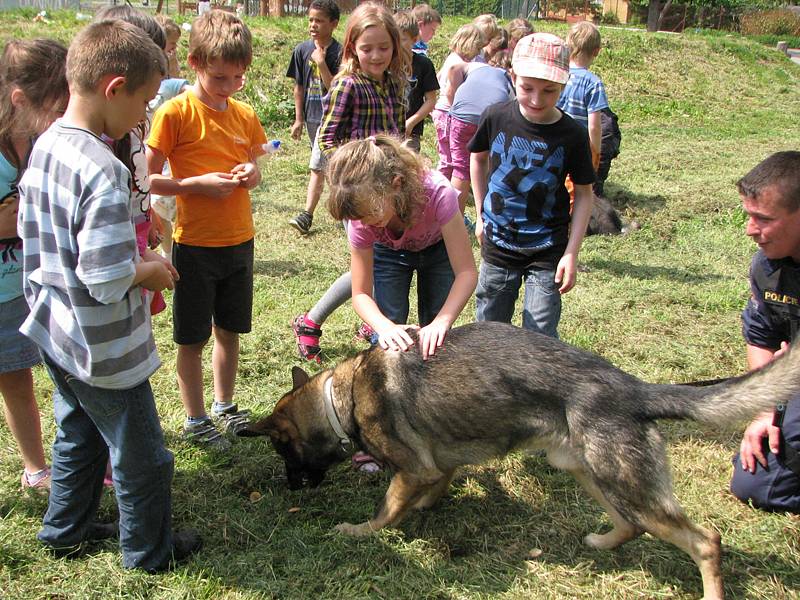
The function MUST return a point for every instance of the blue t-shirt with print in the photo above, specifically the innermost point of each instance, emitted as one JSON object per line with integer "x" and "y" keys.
{"x": 583, "y": 94}
{"x": 420, "y": 47}
{"x": 10, "y": 248}
{"x": 526, "y": 207}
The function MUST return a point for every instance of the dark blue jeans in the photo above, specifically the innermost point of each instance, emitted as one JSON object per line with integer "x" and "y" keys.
{"x": 392, "y": 273}
{"x": 776, "y": 488}
{"x": 498, "y": 289}
{"x": 93, "y": 423}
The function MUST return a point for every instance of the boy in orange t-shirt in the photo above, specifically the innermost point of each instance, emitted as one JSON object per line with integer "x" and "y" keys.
{"x": 211, "y": 142}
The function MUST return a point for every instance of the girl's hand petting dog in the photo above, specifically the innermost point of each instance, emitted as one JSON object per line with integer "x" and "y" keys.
{"x": 396, "y": 337}
{"x": 432, "y": 337}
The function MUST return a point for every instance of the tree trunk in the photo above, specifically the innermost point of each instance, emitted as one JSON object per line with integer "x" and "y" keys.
{"x": 663, "y": 14}
{"x": 656, "y": 14}
{"x": 652, "y": 15}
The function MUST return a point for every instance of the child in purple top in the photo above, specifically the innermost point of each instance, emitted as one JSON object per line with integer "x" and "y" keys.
{"x": 403, "y": 218}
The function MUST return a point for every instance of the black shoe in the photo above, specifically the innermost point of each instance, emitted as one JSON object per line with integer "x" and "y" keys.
{"x": 302, "y": 222}
{"x": 102, "y": 531}
{"x": 96, "y": 532}
{"x": 184, "y": 544}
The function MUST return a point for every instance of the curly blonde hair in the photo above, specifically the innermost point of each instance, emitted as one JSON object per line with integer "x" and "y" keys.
{"x": 362, "y": 174}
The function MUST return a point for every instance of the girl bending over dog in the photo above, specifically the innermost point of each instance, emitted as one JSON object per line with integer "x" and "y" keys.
{"x": 403, "y": 218}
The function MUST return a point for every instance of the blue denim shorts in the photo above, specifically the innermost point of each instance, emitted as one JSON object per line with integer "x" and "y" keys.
{"x": 16, "y": 351}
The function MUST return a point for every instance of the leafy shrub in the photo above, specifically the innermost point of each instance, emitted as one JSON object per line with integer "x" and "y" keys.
{"x": 770, "y": 22}
{"x": 609, "y": 18}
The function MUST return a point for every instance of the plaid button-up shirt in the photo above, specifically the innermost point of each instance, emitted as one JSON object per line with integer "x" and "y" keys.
{"x": 357, "y": 107}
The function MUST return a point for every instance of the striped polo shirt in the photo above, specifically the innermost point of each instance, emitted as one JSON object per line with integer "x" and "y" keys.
{"x": 357, "y": 107}
{"x": 79, "y": 261}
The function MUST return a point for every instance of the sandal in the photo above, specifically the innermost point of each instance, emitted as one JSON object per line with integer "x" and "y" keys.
{"x": 38, "y": 482}
{"x": 364, "y": 463}
{"x": 366, "y": 333}
{"x": 307, "y": 334}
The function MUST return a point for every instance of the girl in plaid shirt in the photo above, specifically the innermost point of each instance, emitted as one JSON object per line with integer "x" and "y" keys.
{"x": 367, "y": 97}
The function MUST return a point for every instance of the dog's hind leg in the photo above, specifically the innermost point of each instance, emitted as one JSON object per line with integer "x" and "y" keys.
{"x": 434, "y": 492}
{"x": 637, "y": 482}
{"x": 623, "y": 530}
{"x": 563, "y": 457}
{"x": 405, "y": 491}
{"x": 698, "y": 542}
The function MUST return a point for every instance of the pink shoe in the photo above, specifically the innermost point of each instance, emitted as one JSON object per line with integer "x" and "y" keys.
{"x": 365, "y": 333}
{"x": 307, "y": 334}
{"x": 39, "y": 482}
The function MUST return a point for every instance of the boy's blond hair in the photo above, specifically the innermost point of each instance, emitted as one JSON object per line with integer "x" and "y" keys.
{"x": 220, "y": 35}
{"x": 583, "y": 39}
{"x": 487, "y": 24}
{"x": 170, "y": 27}
{"x": 113, "y": 48}
{"x": 518, "y": 28}
{"x": 467, "y": 41}
{"x": 407, "y": 23}
{"x": 361, "y": 176}
{"x": 423, "y": 13}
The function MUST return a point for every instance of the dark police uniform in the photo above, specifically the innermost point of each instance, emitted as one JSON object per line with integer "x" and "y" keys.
{"x": 772, "y": 316}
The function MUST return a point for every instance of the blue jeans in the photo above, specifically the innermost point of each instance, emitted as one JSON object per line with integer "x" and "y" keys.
{"x": 392, "y": 273}
{"x": 498, "y": 289}
{"x": 93, "y": 423}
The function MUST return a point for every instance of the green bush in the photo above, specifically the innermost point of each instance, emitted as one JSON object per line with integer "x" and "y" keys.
{"x": 609, "y": 18}
{"x": 779, "y": 22}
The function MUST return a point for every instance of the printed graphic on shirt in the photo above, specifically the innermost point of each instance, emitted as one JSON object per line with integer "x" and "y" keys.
{"x": 314, "y": 92}
{"x": 10, "y": 247}
{"x": 522, "y": 189}
{"x": 140, "y": 184}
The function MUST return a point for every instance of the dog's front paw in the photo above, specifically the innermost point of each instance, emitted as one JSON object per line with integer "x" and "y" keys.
{"x": 595, "y": 540}
{"x": 354, "y": 530}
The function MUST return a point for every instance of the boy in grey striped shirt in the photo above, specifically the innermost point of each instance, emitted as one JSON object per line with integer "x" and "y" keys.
{"x": 83, "y": 283}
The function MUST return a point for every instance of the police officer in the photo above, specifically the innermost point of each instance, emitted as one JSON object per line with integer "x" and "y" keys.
{"x": 767, "y": 468}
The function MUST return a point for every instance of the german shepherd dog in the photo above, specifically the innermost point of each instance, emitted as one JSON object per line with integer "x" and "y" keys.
{"x": 494, "y": 388}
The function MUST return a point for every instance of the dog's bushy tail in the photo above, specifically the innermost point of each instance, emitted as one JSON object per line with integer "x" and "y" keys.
{"x": 732, "y": 401}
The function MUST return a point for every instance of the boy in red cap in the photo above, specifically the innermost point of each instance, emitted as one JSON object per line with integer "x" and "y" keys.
{"x": 522, "y": 152}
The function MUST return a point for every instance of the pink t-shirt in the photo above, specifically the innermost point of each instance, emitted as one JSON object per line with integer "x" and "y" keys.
{"x": 438, "y": 211}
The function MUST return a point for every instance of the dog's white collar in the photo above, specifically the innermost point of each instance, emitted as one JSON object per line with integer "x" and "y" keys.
{"x": 330, "y": 412}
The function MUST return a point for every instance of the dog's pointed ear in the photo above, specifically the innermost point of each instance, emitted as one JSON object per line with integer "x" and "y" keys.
{"x": 299, "y": 378}
{"x": 265, "y": 426}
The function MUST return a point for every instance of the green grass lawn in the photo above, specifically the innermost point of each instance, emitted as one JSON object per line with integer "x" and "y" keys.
{"x": 663, "y": 303}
